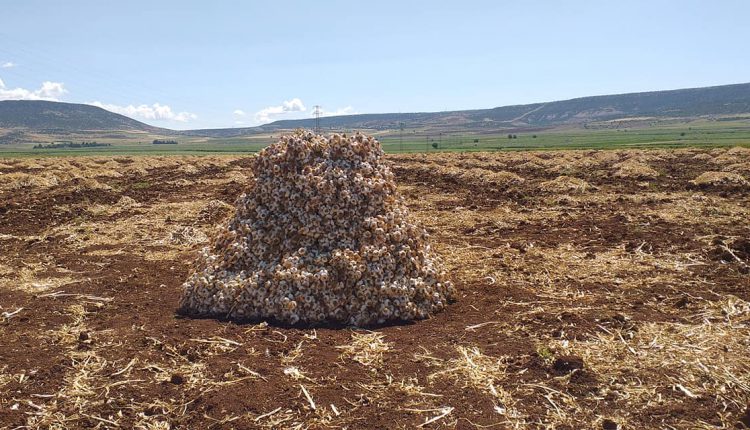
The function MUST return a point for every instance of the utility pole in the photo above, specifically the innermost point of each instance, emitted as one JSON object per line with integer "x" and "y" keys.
{"x": 316, "y": 113}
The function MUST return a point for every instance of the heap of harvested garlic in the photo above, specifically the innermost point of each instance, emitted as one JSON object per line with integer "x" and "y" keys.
{"x": 320, "y": 236}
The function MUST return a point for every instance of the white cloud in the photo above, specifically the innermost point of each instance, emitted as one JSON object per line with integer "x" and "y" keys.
{"x": 8, "y": 65}
{"x": 341, "y": 111}
{"x": 155, "y": 112}
{"x": 294, "y": 105}
{"x": 51, "y": 91}
{"x": 289, "y": 109}
{"x": 240, "y": 117}
{"x": 265, "y": 115}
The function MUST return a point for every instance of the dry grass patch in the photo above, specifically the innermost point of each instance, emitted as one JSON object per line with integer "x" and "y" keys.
{"x": 215, "y": 211}
{"x": 29, "y": 279}
{"x": 32, "y": 164}
{"x": 739, "y": 151}
{"x": 88, "y": 184}
{"x": 5, "y": 378}
{"x": 187, "y": 235}
{"x": 720, "y": 179}
{"x": 734, "y": 155}
{"x": 135, "y": 170}
{"x": 485, "y": 374}
{"x": 105, "y": 173}
{"x": 124, "y": 204}
{"x": 188, "y": 168}
{"x": 162, "y": 224}
{"x": 740, "y": 168}
{"x": 69, "y": 405}
{"x": 608, "y": 156}
{"x": 24, "y": 181}
{"x": 475, "y": 175}
{"x": 239, "y": 176}
{"x": 566, "y": 184}
{"x": 664, "y": 364}
{"x": 617, "y": 264}
{"x": 631, "y": 169}
{"x": 703, "y": 157}
{"x": 366, "y": 349}
{"x": 693, "y": 210}
{"x": 474, "y": 369}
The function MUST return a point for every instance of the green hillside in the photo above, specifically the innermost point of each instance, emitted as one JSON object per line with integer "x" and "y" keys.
{"x": 41, "y": 116}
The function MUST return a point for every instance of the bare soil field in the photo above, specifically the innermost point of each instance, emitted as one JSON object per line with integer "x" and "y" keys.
{"x": 596, "y": 289}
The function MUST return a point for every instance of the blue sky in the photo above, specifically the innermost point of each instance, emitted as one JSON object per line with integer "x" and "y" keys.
{"x": 212, "y": 64}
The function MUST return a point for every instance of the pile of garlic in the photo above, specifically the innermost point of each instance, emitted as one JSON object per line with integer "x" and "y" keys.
{"x": 320, "y": 236}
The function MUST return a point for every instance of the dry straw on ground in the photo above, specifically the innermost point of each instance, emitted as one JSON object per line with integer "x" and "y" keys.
{"x": 566, "y": 184}
{"x": 365, "y": 348}
{"x": 321, "y": 235}
{"x": 720, "y": 179}
{"x": 634, "y": 169}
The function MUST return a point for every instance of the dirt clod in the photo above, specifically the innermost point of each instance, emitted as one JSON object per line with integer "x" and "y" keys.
{"x": 731, "y": 251}
{"x": 567, "y": 364}
{"x": 682, "y": 303}
{"x": 744, "y": 422}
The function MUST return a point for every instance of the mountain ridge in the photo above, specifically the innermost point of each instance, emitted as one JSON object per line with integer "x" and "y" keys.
{"x": 47, "y": 116}
{"x": 42, "y": 115}
{"x": 713, "y": 100}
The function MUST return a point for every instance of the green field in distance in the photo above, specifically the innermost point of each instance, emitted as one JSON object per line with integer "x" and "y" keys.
{"x": 696, "y": 133}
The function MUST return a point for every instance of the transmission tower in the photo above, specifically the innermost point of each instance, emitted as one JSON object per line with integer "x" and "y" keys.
{"x": 316, "y": 113}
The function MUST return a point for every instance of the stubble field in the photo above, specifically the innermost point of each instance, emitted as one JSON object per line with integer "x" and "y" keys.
{"x": 597, "y": 289}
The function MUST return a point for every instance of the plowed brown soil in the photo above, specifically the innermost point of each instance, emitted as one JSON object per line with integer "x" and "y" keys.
{"x": 615, "y": 301}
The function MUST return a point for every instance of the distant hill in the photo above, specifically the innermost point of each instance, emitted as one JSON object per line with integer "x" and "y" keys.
{"x": 44, "y": 116}
{"x": 53, "y": 117}
{"x": 719, "y": 100}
